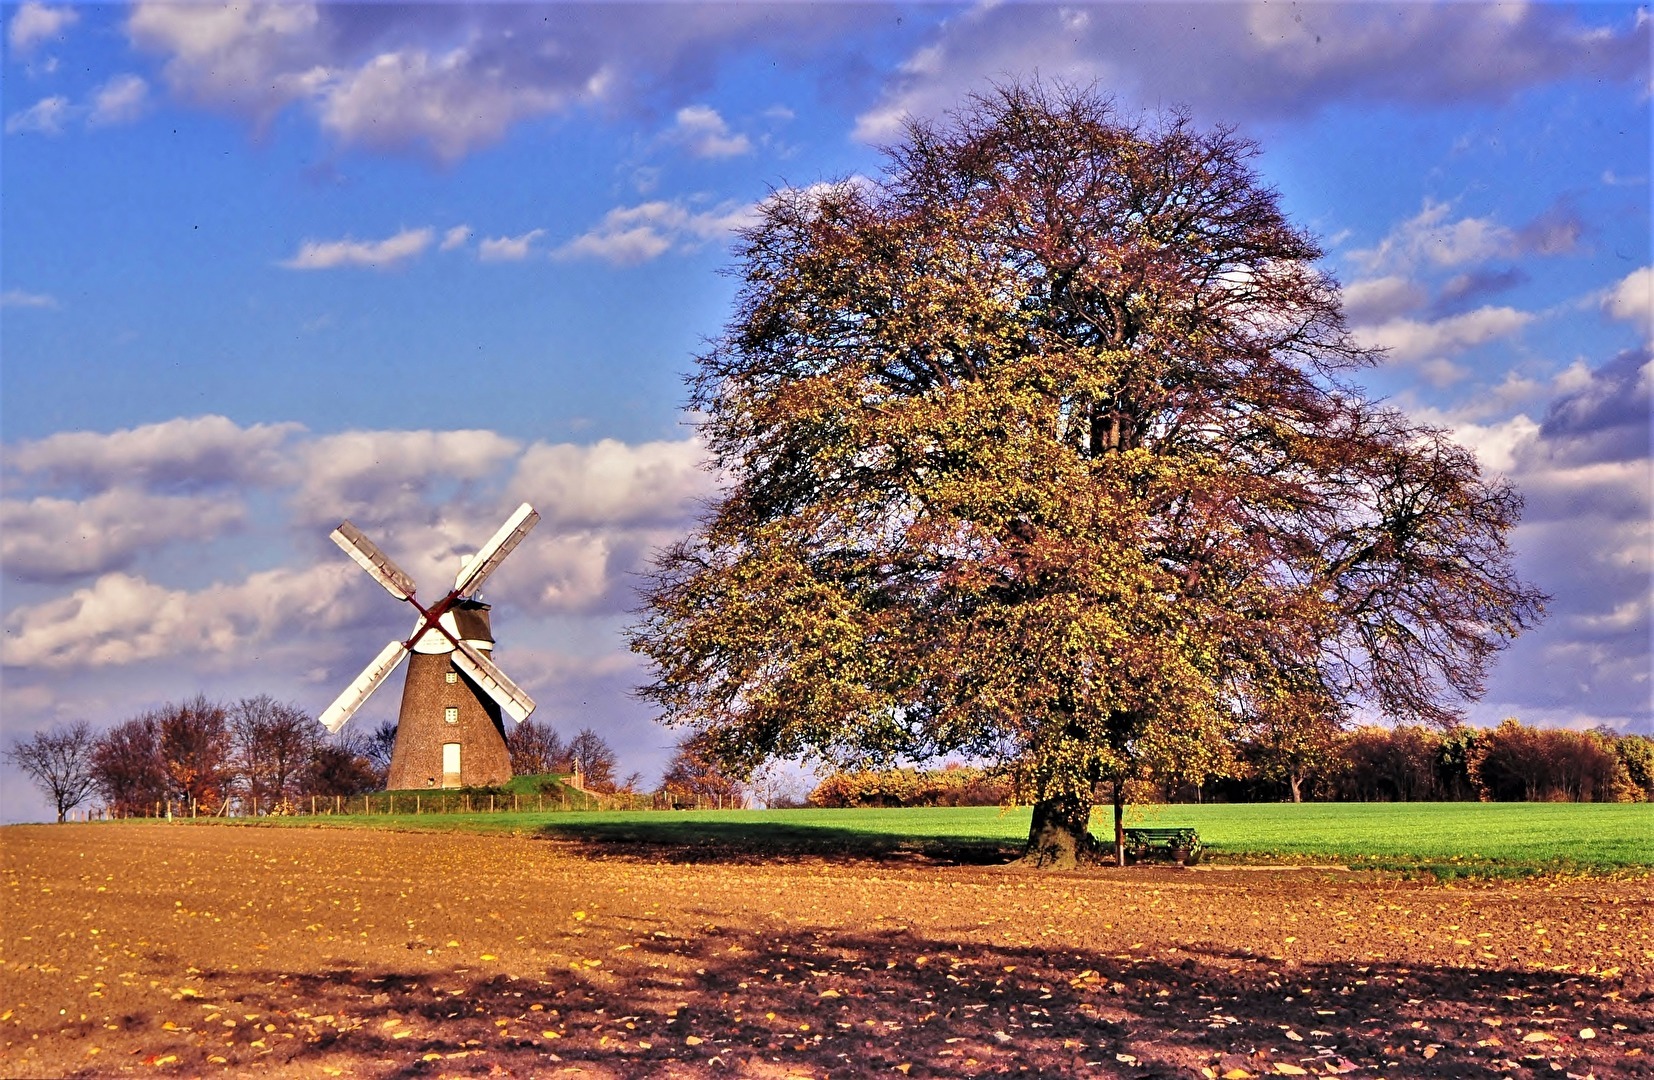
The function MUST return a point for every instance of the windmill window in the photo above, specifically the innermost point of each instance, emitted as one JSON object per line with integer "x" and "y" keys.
{"x": 451, "y": 714}
{"x": 452, "y": 676}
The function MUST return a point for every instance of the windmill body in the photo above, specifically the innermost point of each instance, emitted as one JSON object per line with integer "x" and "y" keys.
{"x": 451, "y": 728}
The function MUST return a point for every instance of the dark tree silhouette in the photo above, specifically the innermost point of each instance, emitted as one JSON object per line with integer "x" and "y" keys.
{"x": 376, "y": 746}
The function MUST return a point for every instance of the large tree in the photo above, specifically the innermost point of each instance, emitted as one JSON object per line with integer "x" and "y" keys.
{"x": 59, "y": 761}
{"x": 1040, "y": 447}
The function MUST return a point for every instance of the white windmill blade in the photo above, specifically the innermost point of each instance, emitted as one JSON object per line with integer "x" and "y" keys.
{"x": 374, "y": 561}
{"x": 482, "y": 671}
{"x": 366, "y": 683}
{"x": 499, "y": 545}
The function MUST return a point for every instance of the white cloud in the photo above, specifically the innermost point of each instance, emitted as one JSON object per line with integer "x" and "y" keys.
{"x": 123, "y": 619}
{"x": 455, "y": 237}
{"x": 635, "y": 234}
{"x": 1633, "y": 301}
{"x": 1432, "y": 238}
{"x": 387, "y": 476}
{"x": 257, "y": 57}
{"x": 705, "y": 134}
{"x": 47, "y": 538}
{"x": 36, "y": 22}
{"x": 509, "y": 248}
{"x": 1586, "y": 538}
{"x": 1379, "y": 299}
{"x": 453, "y": 102}
{"x": 449, "y": 79}
{"x": 45, "y": 117}
{"x": 1258, "y": 60}
{"x": 612, "y": 483}
{"x": 18, "y": 298}
{"x": 377, "y": 254}
{"x": 121, "y": 100}
{"x": 1414, "y": 340}
{"x": 185, "y": 453}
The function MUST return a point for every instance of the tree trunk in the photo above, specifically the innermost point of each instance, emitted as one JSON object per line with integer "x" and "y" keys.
{"x": 1060, "y": 835}
{"x": 1119, "y": 824}
{"x": 1297, "y": 794}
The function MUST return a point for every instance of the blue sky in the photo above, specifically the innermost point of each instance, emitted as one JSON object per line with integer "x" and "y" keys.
{"x": 266, "y": 267}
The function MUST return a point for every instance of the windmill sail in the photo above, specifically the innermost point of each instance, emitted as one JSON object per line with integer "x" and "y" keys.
{"x": 375, "y": 562}
{"x": 494, "y": 552}
{"x": 511, "y": 697}
{"x": 366, "y": 683}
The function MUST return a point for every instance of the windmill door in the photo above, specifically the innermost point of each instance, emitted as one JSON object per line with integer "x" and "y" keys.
{"x": 450, "y": 764}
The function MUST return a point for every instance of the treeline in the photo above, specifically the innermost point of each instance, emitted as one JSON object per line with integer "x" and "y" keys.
{"x": 1510, "y": 763}
{"x": 538, "y": 750}
{"x": 256, "y": 753}
{"x": 951, "y": 785}
{"x": 251, "y": 755}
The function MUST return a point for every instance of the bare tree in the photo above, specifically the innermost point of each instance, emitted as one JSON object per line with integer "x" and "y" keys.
{"x": 376, "y": 746}
{"x": 694, "y": 773}
{"x": 595, "y": 759}
{"x": 271, "y": 747}
{"x": 535, "y": 749}
{"x": 127, "y": 766}
{"x": 59, "y": 761}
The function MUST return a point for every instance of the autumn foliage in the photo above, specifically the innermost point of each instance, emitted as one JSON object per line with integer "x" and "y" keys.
{"x": 256, "y": 753}
{"x": 955, "y": 785}
{"x": 1041, "y": 450}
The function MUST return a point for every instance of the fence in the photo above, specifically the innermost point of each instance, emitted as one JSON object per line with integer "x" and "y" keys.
{"x": 384, "y": 803}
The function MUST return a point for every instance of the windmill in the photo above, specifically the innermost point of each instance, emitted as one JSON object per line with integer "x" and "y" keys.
{"x": 449, "y": 732}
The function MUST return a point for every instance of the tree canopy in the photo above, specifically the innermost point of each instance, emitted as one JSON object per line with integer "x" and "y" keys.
{"x": 1041, "y": 448}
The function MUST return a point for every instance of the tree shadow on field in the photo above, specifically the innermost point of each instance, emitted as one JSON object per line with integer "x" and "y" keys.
{"x": 853, "y": 1003}
{"x": 698, "y": 840}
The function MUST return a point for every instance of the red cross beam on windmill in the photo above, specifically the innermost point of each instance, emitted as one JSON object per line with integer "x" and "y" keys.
{"x": 437, "y": 631}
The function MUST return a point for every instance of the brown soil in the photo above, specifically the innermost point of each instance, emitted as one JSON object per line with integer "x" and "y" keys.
{"x": 202, "y": 950}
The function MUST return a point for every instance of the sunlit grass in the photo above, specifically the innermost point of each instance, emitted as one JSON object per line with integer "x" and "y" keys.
{"x": 1442, "y": 837}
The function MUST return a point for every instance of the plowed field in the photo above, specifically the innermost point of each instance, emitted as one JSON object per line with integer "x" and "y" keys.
{"x": 217, "y": 950}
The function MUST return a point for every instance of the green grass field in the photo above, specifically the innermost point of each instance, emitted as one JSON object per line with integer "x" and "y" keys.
{"x": 1444, "y": 838}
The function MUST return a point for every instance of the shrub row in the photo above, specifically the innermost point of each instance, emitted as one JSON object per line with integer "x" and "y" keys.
{"x": 952, "y": 785}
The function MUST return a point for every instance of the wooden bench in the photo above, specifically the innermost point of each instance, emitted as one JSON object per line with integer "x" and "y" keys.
{"x": 1177, "y": 843}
